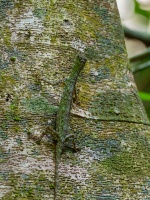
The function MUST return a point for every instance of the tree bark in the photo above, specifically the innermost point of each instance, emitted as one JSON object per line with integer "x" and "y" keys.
{"x": 39, "y": 43}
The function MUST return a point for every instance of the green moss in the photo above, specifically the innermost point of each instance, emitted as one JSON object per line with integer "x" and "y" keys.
{"x": 3, "y": 65}
{"x": 51, "y": 186}
{"x": 3, "y": 125}
{"x": 29, "y": 187}
{"x": 121, "y": 163}
{"x": 132, "y": 162}
{"x": 111, "y": 104}
{"x": 16, "y": 128}
{"x": 12, "y": 56}
{"x": 5, "y": 33}
{"x": 39, "y": 105}
{"x": 91, "y": 53}
{"x": 13, "y": 112}
{"x": 16, "y": 118}
{"x": 4, "y": 6}
{"x": 39, "y": 12}
{"x": 3, "y": 135}
{"x": 13, "y": 59}
{"x": 79, "y": 195}
{"x": 19, "y": 141}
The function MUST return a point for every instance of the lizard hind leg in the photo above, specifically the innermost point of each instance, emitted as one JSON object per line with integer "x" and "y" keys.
{"x": 74, "y": 147}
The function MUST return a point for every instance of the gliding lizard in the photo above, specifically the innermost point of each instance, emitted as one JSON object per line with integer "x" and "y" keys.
{"x": 60, "y": 135}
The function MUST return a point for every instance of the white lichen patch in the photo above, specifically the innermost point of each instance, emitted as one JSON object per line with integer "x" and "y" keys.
{"x": 94, "y": 72}
{"x": 25, "y": 26}
{"x": 78, "y": 45}
{"x": 67, "y": 26}
{"x": 80, "y": 173}
{"x": 43, "y": 55}
{"x": 123, "y": 143}
{"x": 67, "y": 23}
{"x": 30, "y": 164}
{"x": 19, "y": 88}
{"x": 26, "y": 163}
{"x": 89, "y": 156}
{"x": 9, "y": 144}
{"x": 3, "y": 190}
{"x": 75, "y": 173}
{"x": 36, "y": 130}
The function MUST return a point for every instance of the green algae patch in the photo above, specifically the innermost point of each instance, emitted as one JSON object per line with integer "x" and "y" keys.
{"x": 3, "y": 135}
{"x": 38, "y": 105}
{"x": 6, "y": 80}
{"x": 5, "y": 34}
{"x": 13, "y": 111}
{"x": 40, "y": 13}
{"x": 4, "y": 6}
{"x": 115, "y": 105}
{"x": 121, "y": 163}
{"x": 29, "y": 187}
{"x": 13, "y": 59}
{"x": 134, "y": 161}
{"x": 3, "y": 156}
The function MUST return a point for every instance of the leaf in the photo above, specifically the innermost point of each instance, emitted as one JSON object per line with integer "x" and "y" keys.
{"x": 144, "y": 96}
{"x": 140, "y": 61}
{"x": 139, "y": 10}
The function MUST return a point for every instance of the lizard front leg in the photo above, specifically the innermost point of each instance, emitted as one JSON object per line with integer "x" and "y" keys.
{"x": 74, "y": 147}
{"x": 48, "y": 130}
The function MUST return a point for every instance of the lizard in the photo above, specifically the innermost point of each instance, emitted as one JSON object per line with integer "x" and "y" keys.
{"x": 60, "y": 135}
{"x": 63, "y": 115}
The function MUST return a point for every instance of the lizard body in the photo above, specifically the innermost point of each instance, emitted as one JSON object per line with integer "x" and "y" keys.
{"x": 63, "y": 115}
{"x": 60, "y": 135}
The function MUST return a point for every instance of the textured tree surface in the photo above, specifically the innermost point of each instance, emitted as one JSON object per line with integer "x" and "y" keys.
{"x": 39, "y": 42}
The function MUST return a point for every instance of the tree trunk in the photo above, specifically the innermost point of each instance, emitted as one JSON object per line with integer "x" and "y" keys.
{"x": 39, "y": 43}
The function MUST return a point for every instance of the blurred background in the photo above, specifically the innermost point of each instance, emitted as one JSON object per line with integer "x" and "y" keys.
{"x": 135, "y": 17}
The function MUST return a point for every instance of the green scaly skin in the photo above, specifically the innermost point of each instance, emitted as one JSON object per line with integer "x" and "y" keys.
{"x": 63, "y": 115}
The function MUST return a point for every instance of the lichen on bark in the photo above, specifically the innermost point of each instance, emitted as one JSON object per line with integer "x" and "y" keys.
{"x": 40, "y": 40}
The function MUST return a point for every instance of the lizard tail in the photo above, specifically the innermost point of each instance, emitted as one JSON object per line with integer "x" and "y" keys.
{"x": 57, "y": 161}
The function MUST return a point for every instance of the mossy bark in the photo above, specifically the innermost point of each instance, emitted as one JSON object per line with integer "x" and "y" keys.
{"x": 39, "y": 42}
